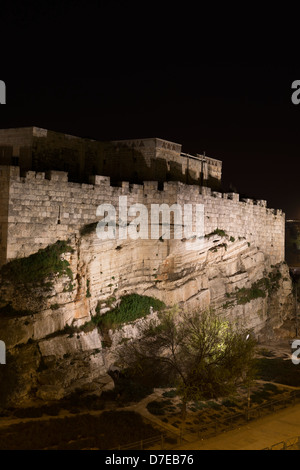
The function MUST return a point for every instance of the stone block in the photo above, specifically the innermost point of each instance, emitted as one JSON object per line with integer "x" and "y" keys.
{"x": 57, "y": 176}
{"x": 98, "y": 180}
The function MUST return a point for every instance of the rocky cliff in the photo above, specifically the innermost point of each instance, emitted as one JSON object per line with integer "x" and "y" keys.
{"x": 49, "y": 300}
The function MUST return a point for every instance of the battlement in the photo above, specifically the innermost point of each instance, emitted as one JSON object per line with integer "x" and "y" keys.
{"x": 39, "y": 208}
{"x": 147, "y": 186}
{"x": 149, "y": 143}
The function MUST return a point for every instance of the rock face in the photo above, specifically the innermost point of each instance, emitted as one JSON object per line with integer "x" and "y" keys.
{"x": 53, "y": 349}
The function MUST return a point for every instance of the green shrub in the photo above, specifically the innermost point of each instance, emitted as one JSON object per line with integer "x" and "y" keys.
{"x": 214, "y": 405}
{"x": 156, "y": 408}
{"x": 259, "y": 289}
{"x": 217, "y": 231}
{"x": 279, "y": 371}
{"x": 245, "y": 295}
{"x": 229, "y": 403}
{"x": 129, "y": 388}
{"x": 131, "y": 308}
{"x": 69, "y": 288}
{"x": 170, "y": 394}
{"x": 38, "y": 266}
{"x": 54, "y": 306}
{"x": 88, "y": 294}
{"x": 259, "y": 396}
{"x": 271, "y": 388}
{"x": 110, "y": 301}
{"x": 133, "y": 391}
{"x": 199, "y": 405}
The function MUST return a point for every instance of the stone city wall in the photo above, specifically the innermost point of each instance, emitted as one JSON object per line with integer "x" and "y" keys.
{"x": 40, "y": 208}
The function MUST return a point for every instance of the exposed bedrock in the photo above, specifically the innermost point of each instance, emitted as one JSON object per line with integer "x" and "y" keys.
{"x": 53, "y": 348}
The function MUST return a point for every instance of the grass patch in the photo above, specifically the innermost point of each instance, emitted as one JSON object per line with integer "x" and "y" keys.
{"x": 39, "y": 266}
{"x": 131, "y": 308}
{"x": 54, "y": 306}
{"x": 259, "y": 289}
{"x": 88, "y": 293}
{"x": 244, "y": 295}
{"x": 69, "y": 288}
{"x": 108, "y": 302}
{"x": 218, "y": 231}
{"x": 228, "y": 304}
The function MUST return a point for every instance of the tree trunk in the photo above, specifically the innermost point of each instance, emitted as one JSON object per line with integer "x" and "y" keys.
{"x": 183, "y": 410}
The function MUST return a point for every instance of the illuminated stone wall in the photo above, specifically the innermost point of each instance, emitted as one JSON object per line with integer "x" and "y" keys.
{"x": 41, "y": 208}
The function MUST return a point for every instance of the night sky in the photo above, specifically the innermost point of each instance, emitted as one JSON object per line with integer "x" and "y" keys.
{"x": 107, "y": 71}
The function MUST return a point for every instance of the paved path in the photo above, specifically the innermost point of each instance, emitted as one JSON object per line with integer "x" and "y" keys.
{"x": 261, "y": 433}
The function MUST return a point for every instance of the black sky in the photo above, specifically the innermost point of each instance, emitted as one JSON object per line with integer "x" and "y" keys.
{"x": 104, "y": 71}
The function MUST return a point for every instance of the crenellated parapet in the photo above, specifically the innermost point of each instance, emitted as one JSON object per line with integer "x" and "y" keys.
{"x": 41, "y": 207}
